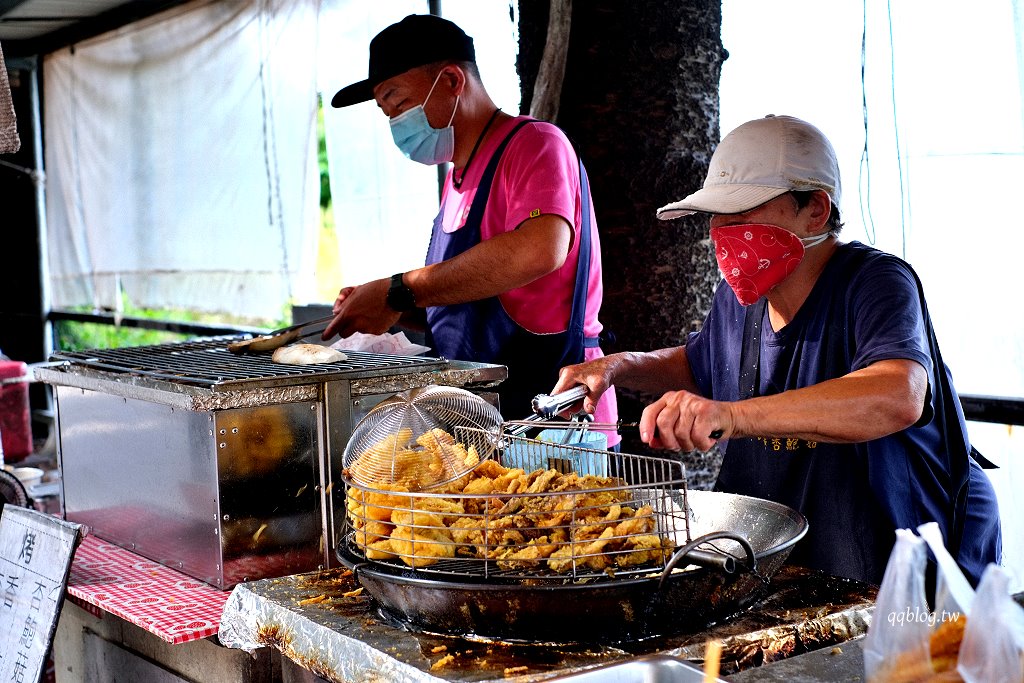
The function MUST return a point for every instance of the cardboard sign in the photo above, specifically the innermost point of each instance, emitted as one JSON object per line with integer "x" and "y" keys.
{"x": 35, "y": 559}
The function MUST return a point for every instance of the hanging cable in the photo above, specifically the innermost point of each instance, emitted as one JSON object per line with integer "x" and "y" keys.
{"x": 904, "y": 200}
{"x": 37, "y": 176}
{"x": 864, "y": 176}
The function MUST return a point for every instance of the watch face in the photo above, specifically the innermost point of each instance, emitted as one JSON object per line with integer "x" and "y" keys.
{"x": 400, "y": 297}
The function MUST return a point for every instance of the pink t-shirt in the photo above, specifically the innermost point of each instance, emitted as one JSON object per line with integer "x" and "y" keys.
{"x": 523, "y": 188}
{"x": 538, "y": 174}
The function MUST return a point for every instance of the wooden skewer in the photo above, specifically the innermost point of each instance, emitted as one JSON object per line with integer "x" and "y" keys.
{"x": 712, "y": 659}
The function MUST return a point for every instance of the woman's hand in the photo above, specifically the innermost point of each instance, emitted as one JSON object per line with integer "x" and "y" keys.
{"x": 682, "y": 421}
{"x": 596, "y": 375}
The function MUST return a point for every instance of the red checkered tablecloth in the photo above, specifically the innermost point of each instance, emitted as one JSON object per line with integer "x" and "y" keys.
{"x": 169, "y": 604}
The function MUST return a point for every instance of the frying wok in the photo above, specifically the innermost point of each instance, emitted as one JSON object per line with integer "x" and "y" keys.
{"x": 603, "y": 610}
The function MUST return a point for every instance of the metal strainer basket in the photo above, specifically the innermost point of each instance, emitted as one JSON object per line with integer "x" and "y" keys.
{"x": 406, "y": 441}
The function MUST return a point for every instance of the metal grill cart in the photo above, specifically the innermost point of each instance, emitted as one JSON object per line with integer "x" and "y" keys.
{"x": 219, "y": 465}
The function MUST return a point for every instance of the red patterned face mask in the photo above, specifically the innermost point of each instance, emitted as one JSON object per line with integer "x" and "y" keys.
{"x": 756, "y": 257}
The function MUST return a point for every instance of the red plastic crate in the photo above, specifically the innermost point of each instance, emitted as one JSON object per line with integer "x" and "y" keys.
{"x": 15, "y": 422}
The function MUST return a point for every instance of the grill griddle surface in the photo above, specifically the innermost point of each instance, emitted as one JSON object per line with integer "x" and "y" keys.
{"x": 208, "y": 363}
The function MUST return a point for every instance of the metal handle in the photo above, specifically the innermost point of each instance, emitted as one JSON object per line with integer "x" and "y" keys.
{"x": 299, "y": 326}
{"x": 705, "y": 558}
{"x": 547, "y": 405}
{"x": 620, "y": 425}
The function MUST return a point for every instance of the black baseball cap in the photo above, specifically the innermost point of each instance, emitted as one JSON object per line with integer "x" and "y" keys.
{"x": 417, "y": 40}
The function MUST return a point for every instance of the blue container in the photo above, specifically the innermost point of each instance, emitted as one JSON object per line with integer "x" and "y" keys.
{"x": 547, "y": 452}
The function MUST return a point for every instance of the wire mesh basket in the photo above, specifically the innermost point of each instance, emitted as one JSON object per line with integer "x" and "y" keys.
{"x": 509, "y": 518}
{"x": 406, "y": 440}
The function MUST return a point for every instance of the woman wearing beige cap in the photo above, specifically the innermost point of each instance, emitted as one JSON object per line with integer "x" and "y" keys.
{"x": 816, "y": 370}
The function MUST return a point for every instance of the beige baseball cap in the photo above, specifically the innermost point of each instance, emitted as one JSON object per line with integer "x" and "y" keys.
{"x": 758, "y": 161}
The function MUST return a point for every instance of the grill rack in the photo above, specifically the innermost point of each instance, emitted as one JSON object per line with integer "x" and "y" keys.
{"x": 437, "y": 526}
{"x": 207, "y": 363}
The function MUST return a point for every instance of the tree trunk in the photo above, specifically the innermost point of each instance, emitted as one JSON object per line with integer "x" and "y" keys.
{"x": 547, "y": 89}
{"x": 640, "y": 101}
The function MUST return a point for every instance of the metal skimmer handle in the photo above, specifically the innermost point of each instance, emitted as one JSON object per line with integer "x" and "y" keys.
{"x": 547, "y": 405}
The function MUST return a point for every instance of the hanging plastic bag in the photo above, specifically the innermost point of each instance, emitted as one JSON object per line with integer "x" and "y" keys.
{"x": 914, "y": 644}
{"x": 993, "y": 645}
{"x": 954, "y": 600}
{"x": 899, "y": 631}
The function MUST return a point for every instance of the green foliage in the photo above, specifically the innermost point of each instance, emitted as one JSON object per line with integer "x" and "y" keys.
{"x": 78, "y": 336}
{"x": 325, "y": 183}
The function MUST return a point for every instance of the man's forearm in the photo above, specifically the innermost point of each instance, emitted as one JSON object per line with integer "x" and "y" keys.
{"x": 653, "y": 372}
{"x": 494, "y": 266}
{"x": 879, "y": 400}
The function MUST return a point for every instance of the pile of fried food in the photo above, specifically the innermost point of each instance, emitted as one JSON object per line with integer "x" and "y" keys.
{"x": 522, "y": 520}
{"x": 944, "y": 648}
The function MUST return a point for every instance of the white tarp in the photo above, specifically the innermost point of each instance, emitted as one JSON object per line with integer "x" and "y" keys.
{"x": 181, "y": 160}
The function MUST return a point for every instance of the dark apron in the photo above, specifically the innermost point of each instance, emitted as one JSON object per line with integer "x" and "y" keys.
{"x": 481, "y": 331}
{"x": 848, "y": 534}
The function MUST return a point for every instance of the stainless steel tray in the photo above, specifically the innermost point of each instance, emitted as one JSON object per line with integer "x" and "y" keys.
{"x": 649, "y": 669}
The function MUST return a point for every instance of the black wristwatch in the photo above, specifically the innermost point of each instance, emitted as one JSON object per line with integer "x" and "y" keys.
{"x": 400, "y": 298}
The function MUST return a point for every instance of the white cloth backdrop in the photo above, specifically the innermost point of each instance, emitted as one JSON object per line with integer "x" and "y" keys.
{"x": 181, "y": 160}
{"x": 383, "y": 203}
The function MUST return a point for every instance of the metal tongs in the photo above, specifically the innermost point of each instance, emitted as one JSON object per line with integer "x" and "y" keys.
{"x": 545, "y": 406}
{"x": 278, "y": 338}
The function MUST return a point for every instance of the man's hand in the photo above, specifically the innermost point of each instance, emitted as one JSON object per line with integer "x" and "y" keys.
{"x": 681, "y": 421}
{"x": 362, "y": 309}
{"x": 342, "y": 295}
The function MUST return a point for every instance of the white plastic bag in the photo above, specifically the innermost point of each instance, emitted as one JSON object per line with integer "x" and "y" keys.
{"x": 899, "y": 628}
{"x": 993, "y": 646}
{"x": 907, "y": 642}
{"x": 953, "y": 594}
{"x": 393, "y": 344}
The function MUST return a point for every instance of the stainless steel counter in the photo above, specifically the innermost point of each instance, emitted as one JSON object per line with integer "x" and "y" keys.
{"x": 221, "y": 465}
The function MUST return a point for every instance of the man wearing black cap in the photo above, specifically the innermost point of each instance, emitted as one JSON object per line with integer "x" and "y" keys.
{"x": 513, "y": 271}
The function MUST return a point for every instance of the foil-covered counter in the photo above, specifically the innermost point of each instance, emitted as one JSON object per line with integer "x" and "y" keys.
{"x": 325, "y": 623}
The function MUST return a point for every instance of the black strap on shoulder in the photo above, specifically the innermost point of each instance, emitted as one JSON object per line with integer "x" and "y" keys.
{"x": 946, "y": 401}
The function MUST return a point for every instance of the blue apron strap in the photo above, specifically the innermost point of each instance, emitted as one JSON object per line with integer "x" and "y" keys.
{"x": 577, "y": 316}
{"x": 483, "y": 190}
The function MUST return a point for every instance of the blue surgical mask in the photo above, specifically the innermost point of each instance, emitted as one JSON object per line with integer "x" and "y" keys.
{"x": 418, "y": 140}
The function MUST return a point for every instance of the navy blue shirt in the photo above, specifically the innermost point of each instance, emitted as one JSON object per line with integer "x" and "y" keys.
{"x": 865, "y": 307}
